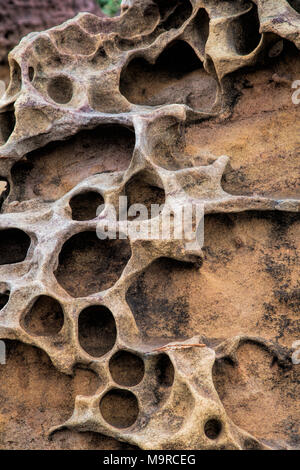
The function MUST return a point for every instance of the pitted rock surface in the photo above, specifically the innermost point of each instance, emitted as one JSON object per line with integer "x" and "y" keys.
{"x": 174, "y": 103}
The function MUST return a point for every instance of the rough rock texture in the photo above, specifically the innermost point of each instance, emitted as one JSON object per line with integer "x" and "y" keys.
{"x": 172, "y": 102}
{"x": 20, "y": 17}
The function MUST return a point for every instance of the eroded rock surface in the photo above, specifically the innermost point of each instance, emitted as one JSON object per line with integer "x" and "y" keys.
{"x": 173, "y": 103}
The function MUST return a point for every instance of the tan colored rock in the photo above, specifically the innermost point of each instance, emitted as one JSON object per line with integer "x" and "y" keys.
{"x": 172, "y": 103}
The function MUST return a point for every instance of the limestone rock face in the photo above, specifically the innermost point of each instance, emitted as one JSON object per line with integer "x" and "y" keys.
{"x": 155, "y": 343}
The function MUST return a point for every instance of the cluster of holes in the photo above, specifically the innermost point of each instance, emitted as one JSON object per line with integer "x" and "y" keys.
{"x": 14, "y": 245}
{"x": 97, "y": 333}
{"x": 119, "y": 407}
{"x": 84, "y": 205}
{"x": 45, "y": 317}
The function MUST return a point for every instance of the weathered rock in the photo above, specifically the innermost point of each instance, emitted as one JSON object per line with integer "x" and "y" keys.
{"x": 176, "y": 103}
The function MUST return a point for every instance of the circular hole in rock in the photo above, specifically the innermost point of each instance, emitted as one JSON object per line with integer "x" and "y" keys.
{"x": 213, "y": 428}
{"x": 45, "y": 318}
{"x": 126, "y": 368}
{"x": 60, "y": 89}
{"x": 14, "y": 244}
{"x": 97, "y": 331}
{"x": 84, "y": 206}
{"x": 119, "y": 408}
{"x": 88, "y": 264}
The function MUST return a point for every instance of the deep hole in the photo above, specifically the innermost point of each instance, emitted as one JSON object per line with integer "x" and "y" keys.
{"x": 165, "y": 371}
{"x": 179, "y": 15}
{"x": 4, "y": 191}
{"x": 295, "y": 4}
{"x": 126, "y": 369}
{"x": 159, "y": 307}
{"x": 14, "y": 245}
{"x": 60, "y": 89}
{"x": 97, "y": 330}
{"x": 45, "y": 318}
{"x": 202, "y": 24}
{"x": 52, "y": 171}
{"x": 84, "y": 206}
{"x": 119, "y": 408}
{"x": 7, "y": 125}
{"x": 244, "y": 32}
{"x": 176, "y": 77}
{"x": 88, "y": 265}
{"x": 213, "y": 428}
{"x": 30, "y": 73}
{"x": 140, "y": 191}
{"x": 4, "y": 298}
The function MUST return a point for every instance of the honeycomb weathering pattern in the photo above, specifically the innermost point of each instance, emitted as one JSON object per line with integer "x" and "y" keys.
{"x": 87, "y": 74}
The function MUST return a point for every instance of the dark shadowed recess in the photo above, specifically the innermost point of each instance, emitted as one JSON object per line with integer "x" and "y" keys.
{"x": 119, "y": 408}
{"x": 50, "y": 172}
{"x": 126, "y": 368}
{"x": 176, "y": 77}
{"x": 173, "y": 13}
{"x": 45, "y": 317}
{"x": 244, "y": 32}
{"x": 158, "y": 312}
{"x": 14, "y": 244}
{"x": 60, "y": 89}
{"x": 141, "y": 189}
{"x": 84, "y": 205}
{"x": 7, "y": 125}
{"x": 4, "y": 298}
{"x": 261, "y": 396}
{"x": 213, "y": 428}
{"x": 164, "y": 373}
{"x": 97, "y": 330}
{"x": 4, "y": 190}
{"x": 88, "y": 265}
{"x": 295, "y": 4}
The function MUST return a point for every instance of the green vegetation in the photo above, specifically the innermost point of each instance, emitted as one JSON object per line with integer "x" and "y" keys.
{"x": 109, "y": 7}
